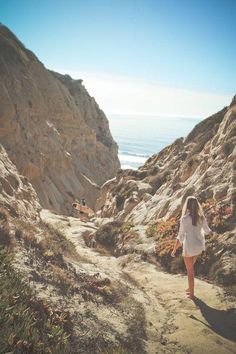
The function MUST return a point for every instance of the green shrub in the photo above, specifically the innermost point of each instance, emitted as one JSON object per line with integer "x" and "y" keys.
{"x": 53, "y": 243}
{"x": 27, "y": 324}
{"x": 151, "y": 230}
{"x": 219, "y": 217}
{"x": 107, "y": 234}
{"x": 7, "y": 238}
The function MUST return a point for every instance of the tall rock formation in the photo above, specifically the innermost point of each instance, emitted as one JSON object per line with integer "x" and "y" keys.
{"x": 148, "y": 201}
{"x": 203, "y": 164}
{"x": 51, "y": 128}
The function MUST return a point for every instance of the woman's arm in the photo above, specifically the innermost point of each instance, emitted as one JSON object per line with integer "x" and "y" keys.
{"x": 176, "y": 246}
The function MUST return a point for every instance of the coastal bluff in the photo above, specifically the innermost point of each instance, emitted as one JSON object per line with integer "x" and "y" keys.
{"x": 100, "y": 285}
{"x": 149, "y": 200}
{"x": 52, "y": 129}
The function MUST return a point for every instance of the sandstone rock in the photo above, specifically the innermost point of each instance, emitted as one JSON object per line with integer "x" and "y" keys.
{"x": 16, "y": 193}
{"x": 52, "y": 129}
{"x": 202, "y": 164}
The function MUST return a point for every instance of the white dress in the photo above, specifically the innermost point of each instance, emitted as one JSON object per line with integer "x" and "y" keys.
{"x": 192, "y": 237}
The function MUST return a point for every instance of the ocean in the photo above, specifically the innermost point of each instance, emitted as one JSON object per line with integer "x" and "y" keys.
{"x": 139, "y": 137}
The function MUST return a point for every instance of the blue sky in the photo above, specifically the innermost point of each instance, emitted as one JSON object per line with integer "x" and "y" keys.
{"x": 187, "y": 46}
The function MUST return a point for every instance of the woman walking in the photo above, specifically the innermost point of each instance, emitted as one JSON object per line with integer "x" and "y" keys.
{"x": 192, "y": 231}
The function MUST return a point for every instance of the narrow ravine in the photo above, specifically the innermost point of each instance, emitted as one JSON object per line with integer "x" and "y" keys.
{"x": 173, "y": 323}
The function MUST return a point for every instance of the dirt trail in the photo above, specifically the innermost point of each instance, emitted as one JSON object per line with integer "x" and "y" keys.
{"x": 173, "y": 323}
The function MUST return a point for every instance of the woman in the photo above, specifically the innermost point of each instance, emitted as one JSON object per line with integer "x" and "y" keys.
{"x": 193, "y": 227}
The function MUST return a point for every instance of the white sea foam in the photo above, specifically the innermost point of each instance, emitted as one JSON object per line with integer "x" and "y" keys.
{"x": 132, "y": 153}
{"x": 132, "y": 158}
{"x": 125, "y": 167}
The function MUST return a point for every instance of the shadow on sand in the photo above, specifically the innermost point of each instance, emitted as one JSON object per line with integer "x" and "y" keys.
{"x": 222, "y": 322}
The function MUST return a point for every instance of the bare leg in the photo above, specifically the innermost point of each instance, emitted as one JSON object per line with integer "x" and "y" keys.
{"x": 189, "y": 263}
{"x": 194, "y": 261}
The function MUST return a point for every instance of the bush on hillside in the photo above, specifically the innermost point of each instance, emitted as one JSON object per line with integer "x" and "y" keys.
{"x": 108, "y": 234}
{"x": 7, "y": 238}
{"x": 27, "y": 324}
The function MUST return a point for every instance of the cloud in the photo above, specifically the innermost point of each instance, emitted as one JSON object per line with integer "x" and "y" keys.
{"x": 127, "y": 95}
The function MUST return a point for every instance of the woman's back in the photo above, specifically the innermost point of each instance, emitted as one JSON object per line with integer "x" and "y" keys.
{"x": 193, "y": 236}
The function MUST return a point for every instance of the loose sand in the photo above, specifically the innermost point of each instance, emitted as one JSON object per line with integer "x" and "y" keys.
{"x": 173, "y": 323}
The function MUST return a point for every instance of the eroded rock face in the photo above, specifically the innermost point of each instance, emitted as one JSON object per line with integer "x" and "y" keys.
{"x": 203, "y": 164}
{"x": 16, "y": 193}
{"x": 53, "y": 131}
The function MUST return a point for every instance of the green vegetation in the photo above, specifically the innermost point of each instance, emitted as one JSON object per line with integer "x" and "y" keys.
{"x": 164, "y": 233}
{"x": 50, "y": 244}
{"x": 51, "y": 247}
{"x": 27, "y": 324}
{"x": 126, "y": 227}
{"x": 7, "y": 238}
{"x": 113, "y": 234}
{"x": 151, "y": 231}
{"x": 108, "y": 234}
{"x": 219, "y": 216}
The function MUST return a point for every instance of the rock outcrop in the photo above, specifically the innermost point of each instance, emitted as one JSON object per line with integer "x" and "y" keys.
{"x": 203, "y": 164}
{"x": 52, "y": 130}
{"x": 16, "y": 193}
{"x": 149, "y": 200}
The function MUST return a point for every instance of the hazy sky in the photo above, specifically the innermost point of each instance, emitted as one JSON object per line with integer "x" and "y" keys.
{"x": 157, "y": 57}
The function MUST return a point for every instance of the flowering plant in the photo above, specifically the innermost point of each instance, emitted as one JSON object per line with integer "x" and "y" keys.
{"x": 219, "y": 216}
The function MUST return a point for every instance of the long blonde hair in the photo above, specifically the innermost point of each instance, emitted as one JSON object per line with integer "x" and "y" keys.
{"x": 192, "y": 205}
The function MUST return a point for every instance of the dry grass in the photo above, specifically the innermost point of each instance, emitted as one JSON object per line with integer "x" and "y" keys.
{"x": 27, "y": 324}
{"x": 62, "y": 277}
{"x": 47, "y": 241}
{"x": 7, "y": 238}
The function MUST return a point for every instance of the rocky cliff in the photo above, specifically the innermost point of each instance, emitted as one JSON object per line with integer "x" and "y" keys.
{"x": 203, "y": 164}
{"x": 61, "y": 295}
{"x": 148, "y": 201}
{"x": 16, "y": 193}
{"x": 52, "y": 129}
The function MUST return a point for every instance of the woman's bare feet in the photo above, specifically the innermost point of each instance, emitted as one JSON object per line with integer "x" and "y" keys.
{"x": 191, "y": 296}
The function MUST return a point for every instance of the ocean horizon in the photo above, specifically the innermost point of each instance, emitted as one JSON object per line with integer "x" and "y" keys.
{"x": 141, "y": 136}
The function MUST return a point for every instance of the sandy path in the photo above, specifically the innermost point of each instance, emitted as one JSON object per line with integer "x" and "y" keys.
{"x": 174, "y": 324}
